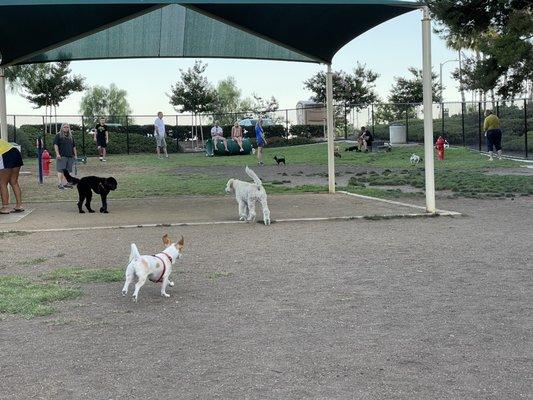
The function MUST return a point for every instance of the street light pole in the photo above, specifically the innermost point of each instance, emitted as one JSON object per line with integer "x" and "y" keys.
{"x": 442, "y": 93}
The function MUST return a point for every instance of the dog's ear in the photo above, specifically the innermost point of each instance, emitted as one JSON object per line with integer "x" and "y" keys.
{"x": 180, "y": 244}
{"x": 166, "y": 240}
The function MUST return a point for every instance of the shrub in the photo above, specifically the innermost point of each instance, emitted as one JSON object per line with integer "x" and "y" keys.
{"x": 308, "y": 131}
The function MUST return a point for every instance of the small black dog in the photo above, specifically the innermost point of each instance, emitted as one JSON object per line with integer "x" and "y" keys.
{"x": 280, "y": 160}
{"x": 352, "y": 148}
{"x": 87, "y": 185}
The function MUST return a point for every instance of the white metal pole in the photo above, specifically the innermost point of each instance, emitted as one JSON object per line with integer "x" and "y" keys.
{"x": 331, "y": 133}
{"x": 3, "y": 108}
{"x": 428, "y": 112}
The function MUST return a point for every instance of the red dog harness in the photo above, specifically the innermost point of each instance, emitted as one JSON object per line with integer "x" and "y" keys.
{"x": 164, "y": 266}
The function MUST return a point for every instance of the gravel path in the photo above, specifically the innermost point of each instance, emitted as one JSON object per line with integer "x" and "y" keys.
{"x": 435, "y": 308}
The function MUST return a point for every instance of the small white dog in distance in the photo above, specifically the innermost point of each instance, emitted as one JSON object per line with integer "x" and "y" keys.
{"x": 415, "y": 159}
{"x": 156, "y": 268}
{"x": 247, "y": 194}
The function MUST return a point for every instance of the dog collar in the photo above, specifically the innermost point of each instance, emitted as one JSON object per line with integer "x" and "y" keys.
{"x": 169, "y": 258}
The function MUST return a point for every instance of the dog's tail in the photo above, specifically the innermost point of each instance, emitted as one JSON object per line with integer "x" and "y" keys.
{"x": 252, "y": 175}
{"x": 70, "y": 178}
{"x": 134, "y": 253}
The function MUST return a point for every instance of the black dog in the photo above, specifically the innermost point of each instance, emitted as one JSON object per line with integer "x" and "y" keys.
{"x": 87, "y": 185}
{"x": 352, "y": 148}
{"x": 280, "y": 160}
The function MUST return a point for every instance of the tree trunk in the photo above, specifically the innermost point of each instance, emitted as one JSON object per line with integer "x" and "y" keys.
{"x": 202, "y": 132}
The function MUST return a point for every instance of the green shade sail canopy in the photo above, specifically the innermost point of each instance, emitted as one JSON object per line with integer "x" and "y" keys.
{"x": 295, "y": 30}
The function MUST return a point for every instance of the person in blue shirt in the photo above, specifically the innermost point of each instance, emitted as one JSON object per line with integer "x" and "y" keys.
{"x": 261, "y": 141}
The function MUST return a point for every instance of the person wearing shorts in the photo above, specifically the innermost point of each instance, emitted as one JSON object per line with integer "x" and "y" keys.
{"x": 236, "y": 134}
{"x": 260, "y": 139}
{"x": 159, "y": 134}
{"x": 101, "y": 137}
{"x": 66, "y": 154}
{"x": 493, "y": 133}
{"x": 217, "y": 135}
{"x": 10, "y": 163}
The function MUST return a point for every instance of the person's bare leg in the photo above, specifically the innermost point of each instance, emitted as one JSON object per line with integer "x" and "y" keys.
{"x": 14, "y": 182}
{"x": 165, "y": 151}
{"x": 260, "y": 155}
{"x": 239, "y": 142}
{"x": 104, "y": 152}
{"x": 60, "y": 178}
{"x": 158, "y": 150}
{"x": 491, "y": 154}
{"x": 225, "y": 143}
{"x": 5, "y": 175}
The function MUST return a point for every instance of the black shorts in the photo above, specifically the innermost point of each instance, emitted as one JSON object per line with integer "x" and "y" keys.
{"x": 11, "y": 159}
{"x": 101, "y": 142}
{"x": 494, "y": 139}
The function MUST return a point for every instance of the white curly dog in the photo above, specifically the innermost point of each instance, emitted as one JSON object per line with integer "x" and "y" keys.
{"x": 247, "y": 194}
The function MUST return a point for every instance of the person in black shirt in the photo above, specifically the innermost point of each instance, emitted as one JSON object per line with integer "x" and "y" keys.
{"x": 365, "y": 139}
{"x": 101, "y": 137}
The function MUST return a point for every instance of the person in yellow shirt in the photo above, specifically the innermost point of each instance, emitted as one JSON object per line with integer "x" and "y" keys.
{"x": 10, "y": 163}
{"x": 493, "y": 133}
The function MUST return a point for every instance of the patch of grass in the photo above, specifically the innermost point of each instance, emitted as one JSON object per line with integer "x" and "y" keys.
{"x": 220, "y": 274}
{"x": 85, "y": 275}
{"x": 463, "y": 183}
{"x": 7, "y": 234}
{"x": 32, "y": 263}
{"x": 30, "y": 299}
{"x": 379, "y": 193}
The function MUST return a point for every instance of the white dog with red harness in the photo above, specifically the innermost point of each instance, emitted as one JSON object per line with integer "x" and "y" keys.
{"x": 156, "y": 268}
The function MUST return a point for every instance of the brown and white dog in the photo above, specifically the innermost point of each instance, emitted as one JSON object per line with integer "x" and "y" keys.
{"x": 156, "y": 268}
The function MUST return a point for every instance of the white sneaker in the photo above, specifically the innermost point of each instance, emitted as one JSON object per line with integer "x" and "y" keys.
{"x": 104, "y": 160}
{"x": 491, "y": 159}
{"x": 101, "y": 159}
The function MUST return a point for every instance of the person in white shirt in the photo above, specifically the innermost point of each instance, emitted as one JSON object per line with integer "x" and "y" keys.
{"x": 217, "y": 135}
{"x": 159, "y": 133}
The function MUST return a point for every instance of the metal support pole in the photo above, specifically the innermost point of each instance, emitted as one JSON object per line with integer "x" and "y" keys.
{"x": 40, "y": 177}
{"x": 127, "y": 136}
{"x": 83, "y": 135}
{"x": 345, "y": 122}
{"x": 373, "y": 126}
{"x": 287, "y": 121}
{"x": 331, "y": 133}
{"x": 15, "y": 128}
{"x": 442, "y": 119}
{"x": 463, "y": 106}
{"x": 525, "y": 127}
{"x": 407, "y": 123}
{"x": 498, "y": 109}
{"x": 3, "y": 107}
{"x": 44, "y": 133}
{"x": 428, "y": 112}
{"x": 479, "y": 125}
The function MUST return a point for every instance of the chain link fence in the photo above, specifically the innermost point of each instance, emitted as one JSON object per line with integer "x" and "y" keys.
{"x": 460, "y": 123}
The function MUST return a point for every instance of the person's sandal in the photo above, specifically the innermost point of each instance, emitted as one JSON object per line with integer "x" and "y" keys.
{"x": 18, "y": 210}
{"x": 5, "y": 211}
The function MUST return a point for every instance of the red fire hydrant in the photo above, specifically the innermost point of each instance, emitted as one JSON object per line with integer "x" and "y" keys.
{"x": 46, "y": 162}
{"x": 440, "y": 147}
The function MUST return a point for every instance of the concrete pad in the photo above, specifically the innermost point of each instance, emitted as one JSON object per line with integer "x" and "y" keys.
{"x": 13, "y": 218}
{"x": 206, "y": 210}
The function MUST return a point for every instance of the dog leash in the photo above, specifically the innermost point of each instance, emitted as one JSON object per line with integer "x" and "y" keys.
{"x": 164, "y": 266}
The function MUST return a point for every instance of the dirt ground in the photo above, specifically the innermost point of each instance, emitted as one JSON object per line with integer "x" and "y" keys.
{"x": 431, "y": 308}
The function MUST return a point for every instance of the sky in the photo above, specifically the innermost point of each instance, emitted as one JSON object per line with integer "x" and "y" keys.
{"x": 389, "y": 49}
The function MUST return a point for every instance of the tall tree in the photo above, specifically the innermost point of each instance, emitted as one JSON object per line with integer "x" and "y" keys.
{"x": 357, "y": 89}
{"x": 193, "y": 93}
{"x": 502, "y": 31}
{"x": 228, "y": 101}
{"x": 47, "y": 85}
{"x": 111, "y": 102}
{"x": 406, "y": 92}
